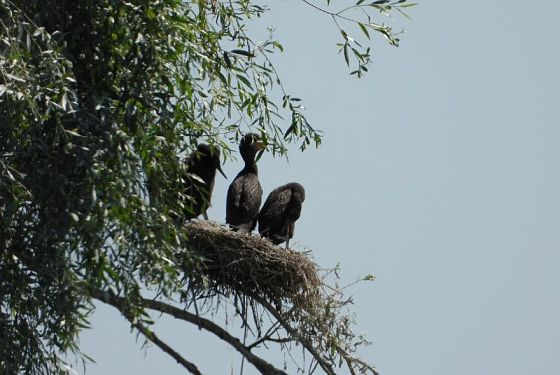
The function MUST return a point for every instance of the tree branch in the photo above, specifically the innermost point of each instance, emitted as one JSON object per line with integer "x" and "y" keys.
{"x": 120, "y": 304}
{"x": 350, "y": 360}
{"x": 150, "y": 335}
{"x": 268, "y": 337}
{"x": 306, "y": 344}
{"x": 283, "y": 340}
{"x": 263, "y": 366}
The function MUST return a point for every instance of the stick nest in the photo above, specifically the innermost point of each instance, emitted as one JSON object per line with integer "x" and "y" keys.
{"x": 238, "y": 262}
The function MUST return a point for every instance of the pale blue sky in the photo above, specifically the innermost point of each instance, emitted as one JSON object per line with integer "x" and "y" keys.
{"x": 438, "y": 174}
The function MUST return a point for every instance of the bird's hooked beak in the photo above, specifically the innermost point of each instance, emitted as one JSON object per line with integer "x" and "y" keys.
{"x": 259, "y": 145}
{"x": 221, "y": 171}
{"x": 260, "y": 148}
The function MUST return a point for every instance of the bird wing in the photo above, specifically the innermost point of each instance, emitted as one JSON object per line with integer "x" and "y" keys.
{"x": 251, "y": 195}
{"x": 233, "y": 199}
{"x": 243, "y": 199}
{"x": 234, "y": 193}
{"x": 274, "y": 208}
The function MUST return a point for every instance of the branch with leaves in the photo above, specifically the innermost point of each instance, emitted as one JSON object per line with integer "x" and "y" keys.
{"x": 99, "y": 104}
{"x": 360, "y": 15}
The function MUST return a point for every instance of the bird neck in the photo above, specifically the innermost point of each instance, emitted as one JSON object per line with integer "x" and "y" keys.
{"x": 250, "y": 167}
{"x": 249, "y": 159}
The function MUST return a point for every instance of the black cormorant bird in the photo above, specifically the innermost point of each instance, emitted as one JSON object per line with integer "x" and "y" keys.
{"x": 201, "y": 172}
{"x": 245, "y": 192}
{"x": 280, "y": 211}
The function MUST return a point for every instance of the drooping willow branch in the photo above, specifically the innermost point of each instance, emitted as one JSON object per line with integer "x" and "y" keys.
{"x": 351, "y": 46}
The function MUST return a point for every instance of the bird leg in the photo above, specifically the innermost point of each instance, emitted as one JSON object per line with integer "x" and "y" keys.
{"x": 288, "y": 243}
{"x": 205, "y": 215}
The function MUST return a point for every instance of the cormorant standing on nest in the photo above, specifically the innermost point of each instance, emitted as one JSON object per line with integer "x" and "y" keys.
{"x": 245, "y": 192}
{"x": 201, "y": 172}
{"x": 280, "y": 211}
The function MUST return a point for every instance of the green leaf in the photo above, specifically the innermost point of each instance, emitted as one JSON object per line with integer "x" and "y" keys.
{"x": 242, "y": 52}
{"x": 364, "y": 29}
{"x": 278, "y": 45}
{"x": 244, "y": 80}
{"x": 15, "y": 78}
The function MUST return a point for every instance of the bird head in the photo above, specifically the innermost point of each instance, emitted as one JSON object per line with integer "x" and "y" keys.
{"x": 298, "y": 191}
{"x": 250, "y": 144}
{"x": 211, "y": 154}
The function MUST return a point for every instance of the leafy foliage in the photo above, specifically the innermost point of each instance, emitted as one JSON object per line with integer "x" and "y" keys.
{"x": 99, "y": 102}
{"x": 356, "y": 54}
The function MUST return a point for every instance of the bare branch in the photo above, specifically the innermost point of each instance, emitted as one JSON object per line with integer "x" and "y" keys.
{"x": 281, "y": 340}
{"x": 120, "y": 304}
{"x": 150, "y": 335}
{"x": 306, "y": 344}
{"x": 263, "y": 366}
{"x": 268, "y": 336}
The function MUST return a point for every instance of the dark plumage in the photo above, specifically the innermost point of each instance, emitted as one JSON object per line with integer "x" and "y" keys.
{"x": 201, "y": 172}
{"x": 280, "y": 211}
{"x": 245, "y": 192}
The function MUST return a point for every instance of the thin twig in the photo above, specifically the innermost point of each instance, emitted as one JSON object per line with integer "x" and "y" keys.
{"x": 270, "y": 339}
